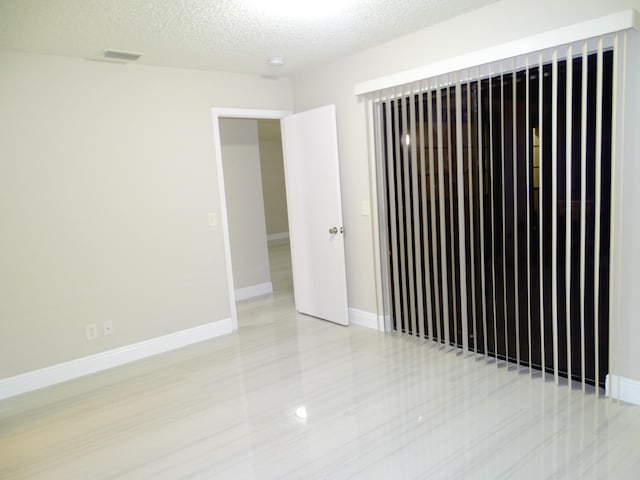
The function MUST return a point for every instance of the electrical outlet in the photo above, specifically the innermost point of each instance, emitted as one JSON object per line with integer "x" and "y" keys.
{"x": 107, "y": 327}
{"x": 91, "y": 331}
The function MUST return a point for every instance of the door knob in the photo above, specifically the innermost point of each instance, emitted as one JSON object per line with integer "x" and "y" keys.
{"x": 333, "y": 230}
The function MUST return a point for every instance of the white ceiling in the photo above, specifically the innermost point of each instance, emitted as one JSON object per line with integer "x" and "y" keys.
{"x": 224, "y": 35}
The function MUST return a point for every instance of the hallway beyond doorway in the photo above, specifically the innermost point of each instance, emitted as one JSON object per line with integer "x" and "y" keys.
{"x": 279, "y": 305}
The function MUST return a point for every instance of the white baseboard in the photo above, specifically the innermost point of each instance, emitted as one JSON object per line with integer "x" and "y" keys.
{"x": 37, "y": 379}
{"x": 366, "y": 319}
{"x": 254, "y": 291}
{"x": 278, "y": 236}
{"x": 621, "y": 388}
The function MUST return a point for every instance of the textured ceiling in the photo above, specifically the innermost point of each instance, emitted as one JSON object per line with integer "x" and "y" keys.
{"x": 224, "y": 35}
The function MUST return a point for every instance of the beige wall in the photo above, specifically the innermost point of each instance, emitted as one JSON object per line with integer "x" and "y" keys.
{"x": 245, "y": 206}
{"x": 273, "y": 186}
{"x": 107, "y": 175}
{"x": 501, "y": 22}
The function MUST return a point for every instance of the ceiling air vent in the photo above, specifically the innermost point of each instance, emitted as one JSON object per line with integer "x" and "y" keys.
{"x": 120, "y": 55}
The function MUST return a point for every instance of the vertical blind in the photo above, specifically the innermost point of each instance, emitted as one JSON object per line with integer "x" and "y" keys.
{"x": 497, "y": 198}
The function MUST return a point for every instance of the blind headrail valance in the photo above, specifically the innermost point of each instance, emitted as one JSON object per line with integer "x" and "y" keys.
{"x": 624, "y": 20}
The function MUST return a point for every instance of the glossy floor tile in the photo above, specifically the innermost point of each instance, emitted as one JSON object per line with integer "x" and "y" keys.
{"x": 378, "y": 406}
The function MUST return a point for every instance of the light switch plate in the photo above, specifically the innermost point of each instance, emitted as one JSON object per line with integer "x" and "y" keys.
{"x": 365, "y": 208}
{"x": 91, "y": 331}
{"x": 213, "y": 219}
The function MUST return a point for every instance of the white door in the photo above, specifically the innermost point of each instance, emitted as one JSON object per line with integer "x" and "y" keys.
{"x": 310, "y": 147}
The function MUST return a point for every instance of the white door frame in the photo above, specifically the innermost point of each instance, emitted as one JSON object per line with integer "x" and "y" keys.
{"x": 223, "y": 112}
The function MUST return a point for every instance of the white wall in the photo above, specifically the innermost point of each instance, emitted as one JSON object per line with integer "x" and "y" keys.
{"x": 245, "y": 206}
{"x": 273, "y": 185}
{"x": 627, "y": 265}
{"x": 500, "y": 22}
{"x": 107, "y": 176}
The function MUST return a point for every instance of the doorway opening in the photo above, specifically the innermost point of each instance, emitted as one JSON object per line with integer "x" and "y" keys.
{"x": 243, "y": 208}
{"x": 253, "y": 167}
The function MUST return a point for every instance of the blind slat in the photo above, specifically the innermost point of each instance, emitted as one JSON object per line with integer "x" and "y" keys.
{"x": 493, "y": 225}
{"x": 393, "y": 211}
{"x": 583, "y": 212}
{"x": 528, "y": 207}
{"x": 416, "y": 273}
{"x": 503, "y": 204}
{"x": 443, "y": 235}
{"x": 471, "y": 216}
{"x": 401, "y": 219}
{"x": 481, "y": 189}
{"x": 451, "y": 222}
{"x": 434, "y": 240}
{"x": 554, "y": 210}
{"x": 514, "y": 143}
{"x": 408, "y": 227}
{"x": 428, "y": 331}
{"x": 598, "y": 207}
{"x": 540, "y": 210}
{"x": 461, "y": 220}
{"x": 568, "y": 204}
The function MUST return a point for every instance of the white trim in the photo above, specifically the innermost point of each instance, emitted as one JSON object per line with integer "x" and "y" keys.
{"x": 254, "y": 291}
{"x": 62, "y": 372}
{"x": 257, "y": 113}
{"x": 278, "y": 236}
{"x": 622, "y": 388}
{"x": 367, "y": 319}
{"x": 216, "y": 114}
{"x": 387, "y": 323}
{"x": 572, "y": 33}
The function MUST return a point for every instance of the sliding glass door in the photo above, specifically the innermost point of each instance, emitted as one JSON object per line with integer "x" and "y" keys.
{"x": 498, "y": 198}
